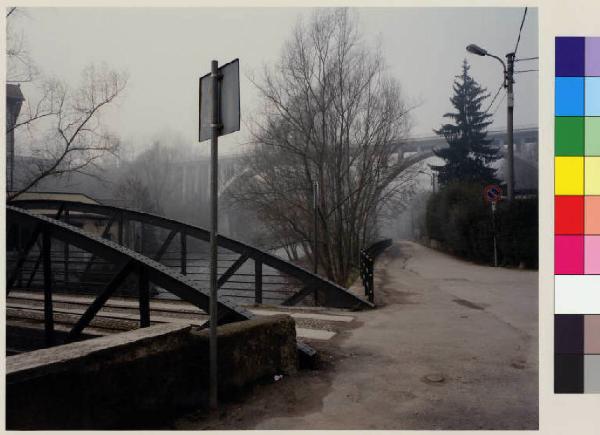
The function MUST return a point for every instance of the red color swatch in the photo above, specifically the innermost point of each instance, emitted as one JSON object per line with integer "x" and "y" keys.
{"x": 568, "y": 214}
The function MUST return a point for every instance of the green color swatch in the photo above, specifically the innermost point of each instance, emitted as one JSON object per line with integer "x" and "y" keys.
{"x": 592, "y": 136}
{"x": 569, "y": 135}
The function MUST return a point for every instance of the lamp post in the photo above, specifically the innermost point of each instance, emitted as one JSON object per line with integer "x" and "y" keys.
{"x": 432, "y": 175}
{"x": 508, "y": 69}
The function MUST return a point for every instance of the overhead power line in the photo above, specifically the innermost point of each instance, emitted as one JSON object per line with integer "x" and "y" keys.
{"x": 526, "y": 58}
{"x": 499, "y": 104}
{"x": 494, "y": 99}
{"x": 525, "y": 70}
{"x": 520, "y": 29}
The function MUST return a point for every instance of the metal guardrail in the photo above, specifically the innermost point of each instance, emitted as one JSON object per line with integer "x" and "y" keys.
{"x": 367, "y": 261}
{"x": 330, "y": 294}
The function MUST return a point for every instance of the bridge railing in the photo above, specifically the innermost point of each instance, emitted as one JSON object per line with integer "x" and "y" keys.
{"x": 125, "y": 263}
{"x": 367, "y": 263}
{"x": 182, "y": 247}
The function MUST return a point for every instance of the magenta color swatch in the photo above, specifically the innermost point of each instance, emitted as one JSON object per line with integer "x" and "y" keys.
{"x": 568, "y": 258}
{"x": 592, "y": 56}
{"x": 592, "y": 255}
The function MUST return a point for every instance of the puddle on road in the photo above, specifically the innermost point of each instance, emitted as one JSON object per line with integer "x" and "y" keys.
{"x": 468, "y": 304}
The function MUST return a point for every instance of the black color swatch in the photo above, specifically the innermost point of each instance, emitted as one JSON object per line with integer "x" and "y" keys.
{"x": 568, "y": 374}
{"x": 568, "y": 333}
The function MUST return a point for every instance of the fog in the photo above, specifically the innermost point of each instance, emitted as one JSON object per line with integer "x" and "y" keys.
{"x": 165, "y": 50}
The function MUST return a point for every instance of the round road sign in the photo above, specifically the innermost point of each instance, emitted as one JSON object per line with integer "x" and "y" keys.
{"x": 492, "y": 193}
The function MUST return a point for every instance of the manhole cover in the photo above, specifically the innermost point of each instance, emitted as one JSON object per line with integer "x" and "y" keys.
{"x": 435, "y": 378}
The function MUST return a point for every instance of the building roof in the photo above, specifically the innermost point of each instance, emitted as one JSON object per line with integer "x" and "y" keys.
{"x": 60, "y": 196}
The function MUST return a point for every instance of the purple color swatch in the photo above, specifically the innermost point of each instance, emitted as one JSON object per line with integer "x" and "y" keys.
{"x": 592, "y": 56}
{"x": 569, "y": 56}
{"x": 568, "y": 257}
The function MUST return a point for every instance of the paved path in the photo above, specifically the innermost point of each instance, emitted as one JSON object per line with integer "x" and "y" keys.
{"x": 454, "y": 347}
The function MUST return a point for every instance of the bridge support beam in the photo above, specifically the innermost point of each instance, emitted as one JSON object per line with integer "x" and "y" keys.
{"x": 183, "y": 252}
{"x": 298, "y": 296}
{"x": 144, "y": 298}
{"x": 258, "y": 282}
{"x": 231, "y": 270}
{"x": 23, "y": 256}
{"x": 99, "y": 302}
{"x": 48, "y": 310}
{"x": 66, "y": 257}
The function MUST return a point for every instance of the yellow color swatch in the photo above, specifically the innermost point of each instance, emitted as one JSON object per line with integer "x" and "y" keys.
{"x": 568, "y": 175}
{"x": 592, "y": 175}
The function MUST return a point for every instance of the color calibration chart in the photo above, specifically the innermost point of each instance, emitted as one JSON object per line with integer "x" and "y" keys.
{"x": 577, "y": 215}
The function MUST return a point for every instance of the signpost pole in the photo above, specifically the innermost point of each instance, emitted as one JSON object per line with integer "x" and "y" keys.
{"x": 494, "y": 233}
{"x": 219, "y": 114}
{"x": 214, "y": 178}
{"x": 315, "y": 223}
{"x": 315, "y": 233}
{"x": 493, "y": 194}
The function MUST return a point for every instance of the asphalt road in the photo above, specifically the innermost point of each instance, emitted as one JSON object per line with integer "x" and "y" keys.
{"x": 454, "y": 346}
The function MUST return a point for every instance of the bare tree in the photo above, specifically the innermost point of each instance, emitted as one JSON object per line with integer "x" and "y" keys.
{"x": 20, "y": 67}
{"x": 73, "y": 137}
{"x": 134, "y": 193}
{"x": 62, "y": 125}
{"x": 332, "y": 115}
{"x": 156, "y": 168}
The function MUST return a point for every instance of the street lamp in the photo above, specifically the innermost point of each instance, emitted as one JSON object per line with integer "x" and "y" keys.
{"x": 432, "y": 175}
{"x": 508, "y": 69}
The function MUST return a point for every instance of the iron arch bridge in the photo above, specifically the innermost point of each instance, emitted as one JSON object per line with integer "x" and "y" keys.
{"x": 102, "y": 264}
{"x": 115, "y": 267}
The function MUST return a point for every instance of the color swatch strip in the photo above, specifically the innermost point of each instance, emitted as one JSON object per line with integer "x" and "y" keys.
{"x": 577, "y": 215}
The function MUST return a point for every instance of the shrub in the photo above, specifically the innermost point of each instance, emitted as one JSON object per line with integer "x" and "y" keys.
{"x": 461, "y": 221}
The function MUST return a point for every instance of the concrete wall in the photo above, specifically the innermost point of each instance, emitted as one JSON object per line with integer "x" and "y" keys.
{"x": 141, "y": 378}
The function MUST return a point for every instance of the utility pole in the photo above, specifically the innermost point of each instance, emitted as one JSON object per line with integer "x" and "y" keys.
{"x": 214, "y": 179}
{"x": 510, "y": 104}
{"x": 509, "y": 69}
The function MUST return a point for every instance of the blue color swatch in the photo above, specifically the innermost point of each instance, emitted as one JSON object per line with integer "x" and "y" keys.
{"x": 569, "y": 96}
{"x": 592, "y": 96}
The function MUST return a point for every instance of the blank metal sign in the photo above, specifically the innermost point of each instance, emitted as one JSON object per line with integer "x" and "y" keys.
{"x": 229, "y": 101}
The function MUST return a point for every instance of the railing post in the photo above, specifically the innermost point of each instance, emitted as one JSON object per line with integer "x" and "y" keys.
{"x": 120, "y": 233}
{"x": 66, "y": 256}
{"x": 258, "y": 282}
{"x": 183, "y": 252}
{"x": 19, "y": 247}
{"x": 371, "y": 284}
{"x": 48, "y": 312}
{"x": 144, "y": 297}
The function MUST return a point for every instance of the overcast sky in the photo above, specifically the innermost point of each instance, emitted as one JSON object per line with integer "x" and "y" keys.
{"x": 165, "y": 50}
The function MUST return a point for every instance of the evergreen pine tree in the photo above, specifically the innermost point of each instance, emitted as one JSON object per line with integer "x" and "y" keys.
{"x": 469, "y": 153}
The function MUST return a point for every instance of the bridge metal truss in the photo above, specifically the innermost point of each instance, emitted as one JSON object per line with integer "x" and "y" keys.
{"x": 126, "y": 262}
{"x": 329, "y": 293}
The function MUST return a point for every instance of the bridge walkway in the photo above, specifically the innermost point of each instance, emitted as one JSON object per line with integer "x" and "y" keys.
{"x": 25, "y": 308}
